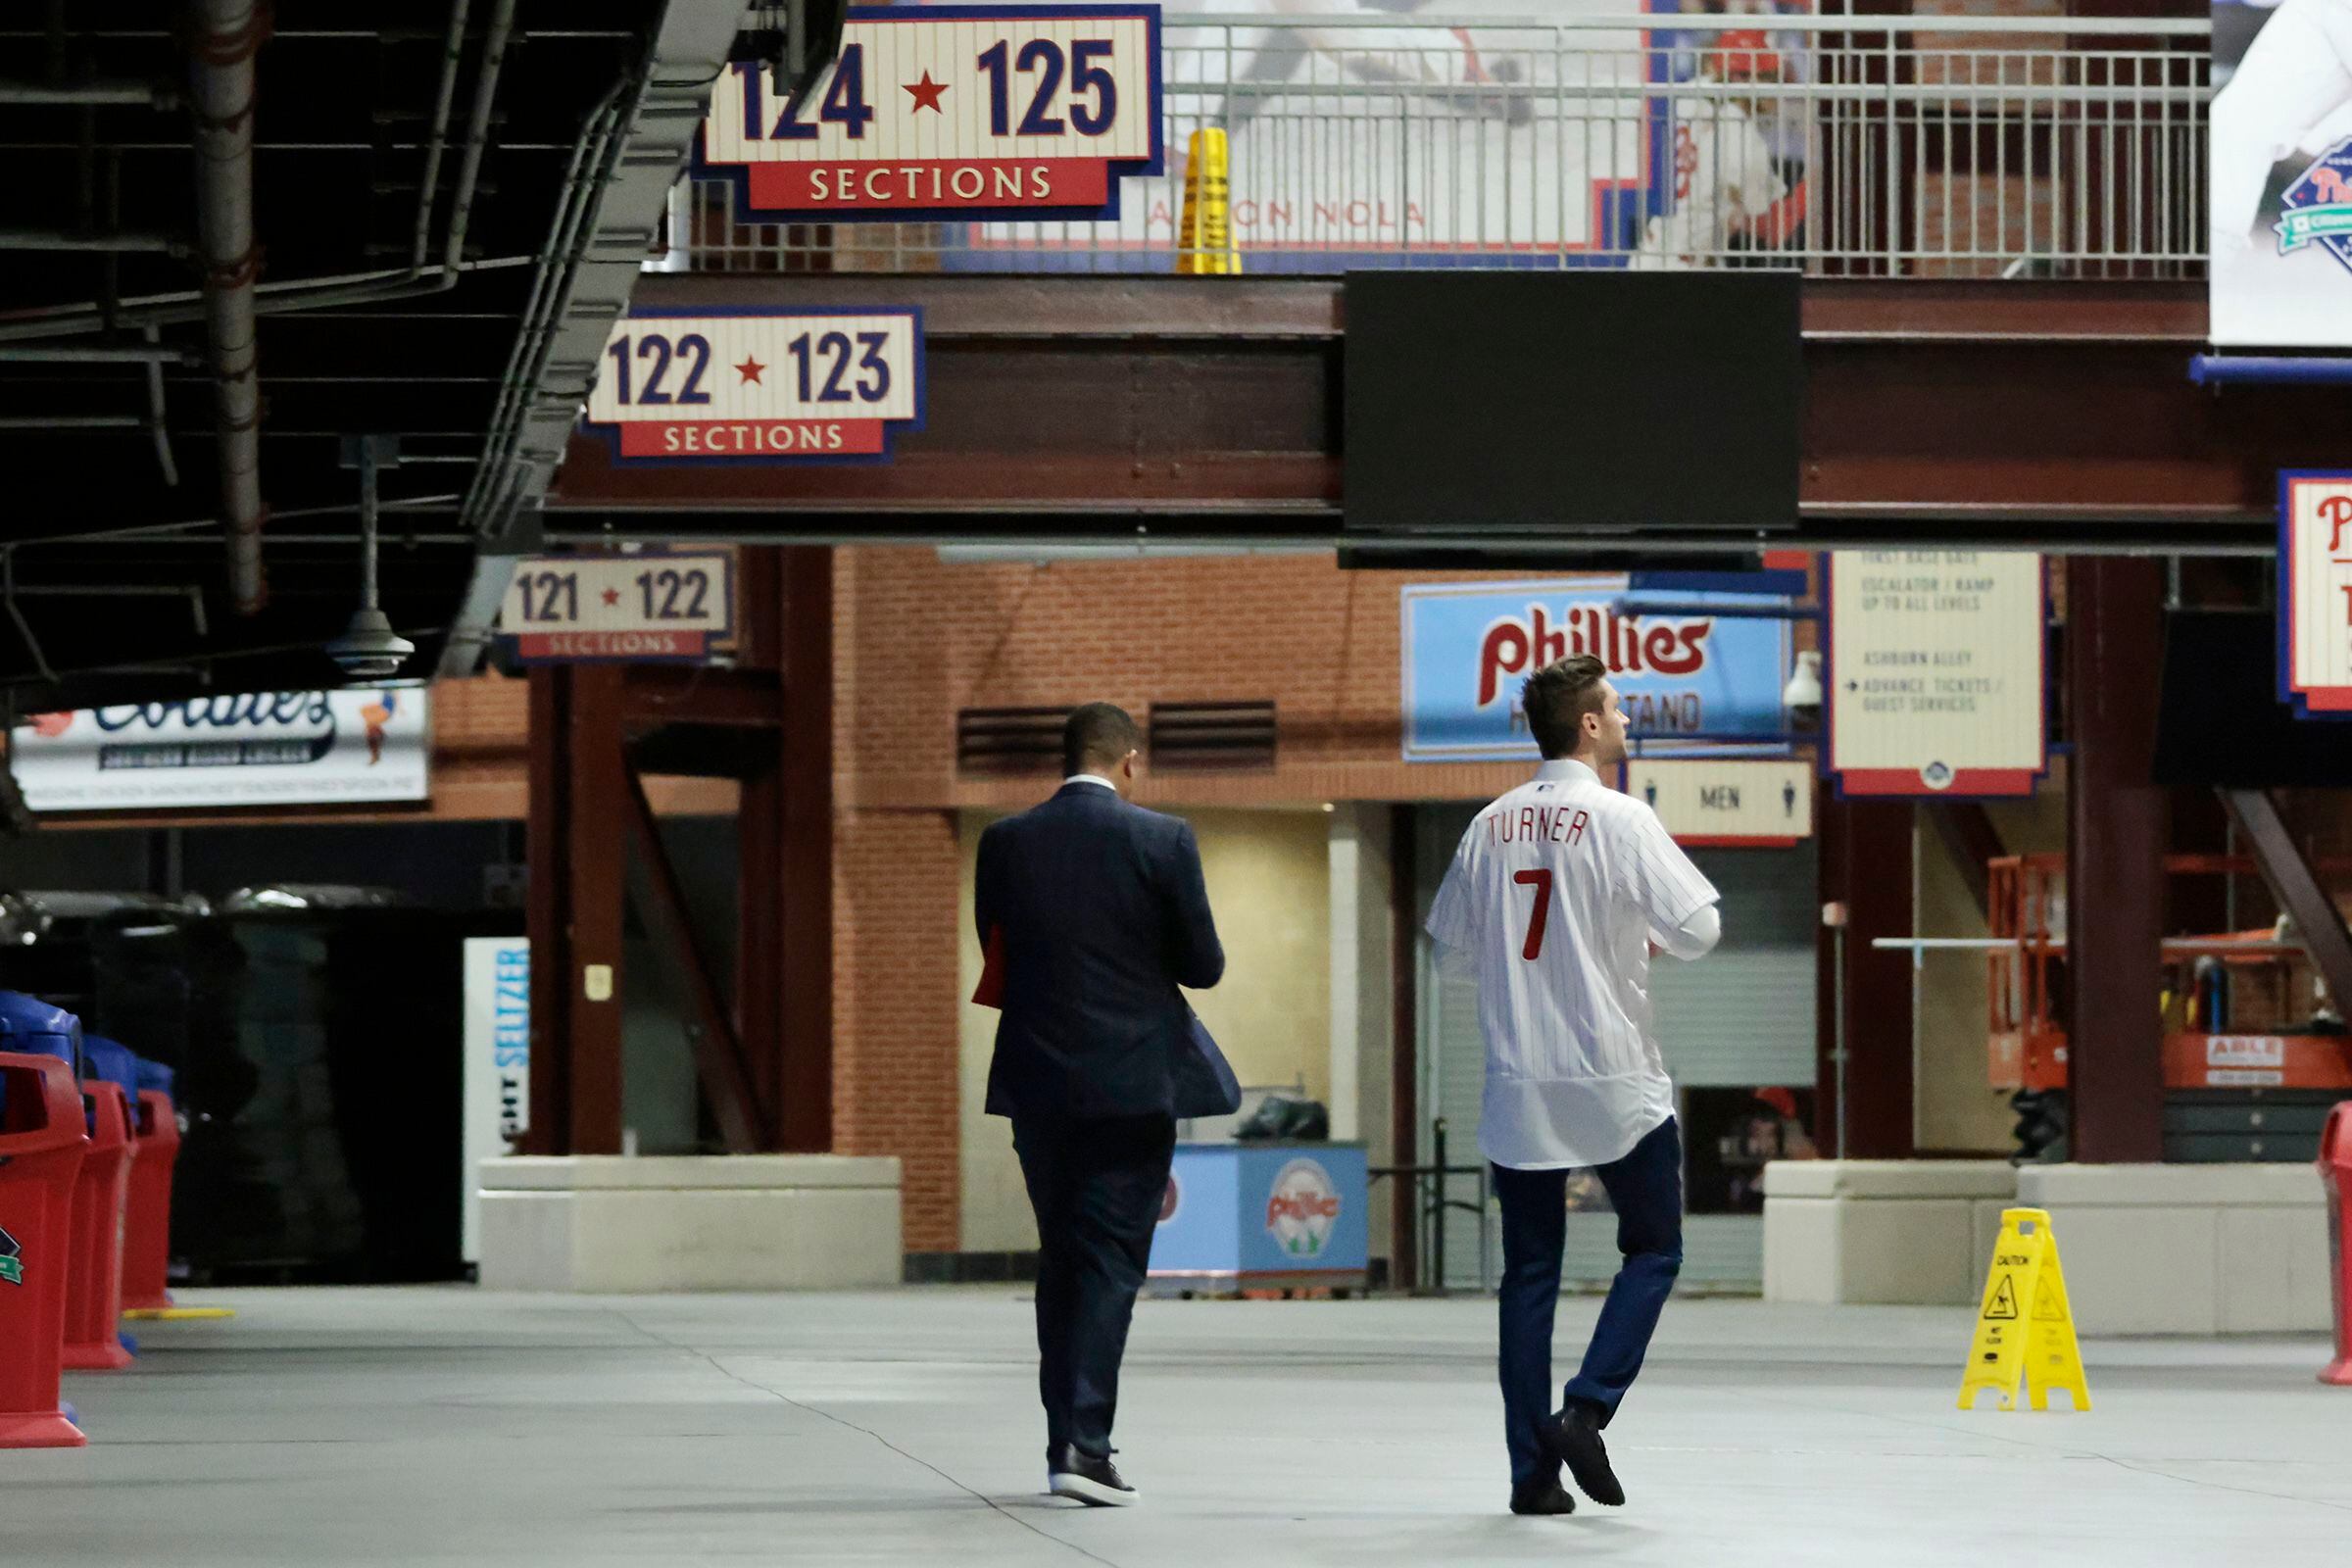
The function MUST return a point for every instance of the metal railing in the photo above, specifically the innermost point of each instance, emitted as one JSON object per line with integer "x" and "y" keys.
{"x": 1948, "y": 146}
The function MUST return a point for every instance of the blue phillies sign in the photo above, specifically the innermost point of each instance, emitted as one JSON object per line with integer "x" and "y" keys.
{"x": 1684, "y": 675}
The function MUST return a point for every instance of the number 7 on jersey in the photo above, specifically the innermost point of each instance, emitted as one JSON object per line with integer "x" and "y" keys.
{"x": 1540, "y": 881}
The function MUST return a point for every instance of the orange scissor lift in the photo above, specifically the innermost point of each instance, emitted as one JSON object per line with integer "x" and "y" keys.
{"x": 2261, "y": 1040}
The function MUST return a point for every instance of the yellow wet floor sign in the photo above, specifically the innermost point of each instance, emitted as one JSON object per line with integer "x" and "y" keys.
{"x": 2024, "y": 1329}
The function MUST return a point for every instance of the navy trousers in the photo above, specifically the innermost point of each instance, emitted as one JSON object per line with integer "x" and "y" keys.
{"x": 1096, "y": 1187}
{"x": 1646, "y": 1187}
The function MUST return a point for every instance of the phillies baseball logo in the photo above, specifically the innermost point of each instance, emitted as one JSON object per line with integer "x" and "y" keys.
{"x": 1626, "y": 644}
{"x": 1301, "y": 1208}
{"x": 2318, "y": 207}
{"x": 2337, "y": 512}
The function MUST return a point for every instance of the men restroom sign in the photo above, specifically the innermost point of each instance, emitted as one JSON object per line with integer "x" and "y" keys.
{"x": 750, "y": 386}
{"x": 968, "y": 111}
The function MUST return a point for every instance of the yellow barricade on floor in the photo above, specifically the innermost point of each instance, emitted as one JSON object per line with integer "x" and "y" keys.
{"x": 2025, "y": 1328}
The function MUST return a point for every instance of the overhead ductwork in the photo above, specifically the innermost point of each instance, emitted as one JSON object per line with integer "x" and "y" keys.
{"x": 224, "y": 35}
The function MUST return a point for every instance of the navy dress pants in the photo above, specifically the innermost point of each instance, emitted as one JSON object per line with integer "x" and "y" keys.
{"x": 1646, "y": 1187}
{"x": 1096, "y": 1187}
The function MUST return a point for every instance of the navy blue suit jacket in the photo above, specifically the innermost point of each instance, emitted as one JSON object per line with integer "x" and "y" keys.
{"x": 1103, "y": 914}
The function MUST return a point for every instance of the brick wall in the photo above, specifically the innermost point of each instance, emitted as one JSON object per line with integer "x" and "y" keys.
{"x": 895, "y": 1006}
{"x": 916, "y": 640}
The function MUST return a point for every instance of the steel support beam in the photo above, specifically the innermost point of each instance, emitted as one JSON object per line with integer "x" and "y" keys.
{"x": 1993, "y": 413}
{"x": 546, "y": 842}
{"x": 804, "y": 868}
{"x": 2116, "y": 840}
{"x": 2319, "y": 923}
{"x": 596, "y": 843}
{"x": 1865, "y": 864}
{"x": 661, "y": 904}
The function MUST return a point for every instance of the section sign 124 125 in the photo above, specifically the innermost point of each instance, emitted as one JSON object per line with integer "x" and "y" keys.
{"x": 949, "y": 112}
{"x": 758, "y": 387}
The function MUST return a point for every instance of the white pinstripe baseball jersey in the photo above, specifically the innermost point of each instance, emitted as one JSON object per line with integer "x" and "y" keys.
{"x": 1552, "y": 896}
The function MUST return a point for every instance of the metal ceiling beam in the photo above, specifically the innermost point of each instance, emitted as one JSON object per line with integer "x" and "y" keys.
{"x": 593, "y": 264}
{"x": 2319, "y": 923}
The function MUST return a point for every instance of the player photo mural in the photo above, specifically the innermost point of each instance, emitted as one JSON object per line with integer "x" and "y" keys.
{"x": 2280, "y": 180}
{"x": 1362, "y": 128}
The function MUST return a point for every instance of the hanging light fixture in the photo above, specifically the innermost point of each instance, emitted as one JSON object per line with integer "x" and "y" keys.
{"x": 370, "y": 649}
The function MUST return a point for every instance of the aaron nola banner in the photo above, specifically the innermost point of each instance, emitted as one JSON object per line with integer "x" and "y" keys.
{"x": 2315, "y": 594}
{"x": 949, "y": 112}
{"x": 2279, "y": 184}
{"x": 752, "y": 386}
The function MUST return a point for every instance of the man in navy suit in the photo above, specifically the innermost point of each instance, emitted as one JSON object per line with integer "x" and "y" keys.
{"x": 1096, "y": 912}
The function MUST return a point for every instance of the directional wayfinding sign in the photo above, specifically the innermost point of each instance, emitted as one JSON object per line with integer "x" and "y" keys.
{"x": 2315, "y": 594}
{"x": 966, "y": 111}
{"x": 1935, "y": 672}
{"x": 606, "y": 608}
{"x": 752, "y": 387}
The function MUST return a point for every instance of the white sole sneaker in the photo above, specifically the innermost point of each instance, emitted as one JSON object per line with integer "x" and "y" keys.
{"x": 1091, "y": 1493}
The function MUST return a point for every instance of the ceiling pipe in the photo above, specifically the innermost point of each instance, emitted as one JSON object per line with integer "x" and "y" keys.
{"x": 428, "y": 184}
{"x": 93, "y": 92}
{"x": 224, "y": 37}
{"x": 50, "y": 239}
{"x": 396, "y": 283}
{"x": 97, "y": 354}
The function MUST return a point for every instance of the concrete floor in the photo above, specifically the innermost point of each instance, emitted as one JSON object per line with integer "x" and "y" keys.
{"x": 451, "y": 1426}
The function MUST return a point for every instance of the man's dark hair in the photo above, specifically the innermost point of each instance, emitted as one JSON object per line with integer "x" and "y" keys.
{"x": 1556, "y": 698}
{"x": 1096, "y": 738}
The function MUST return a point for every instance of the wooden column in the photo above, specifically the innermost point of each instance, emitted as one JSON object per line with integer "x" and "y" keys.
{"x": 1865, "y": 864}
{"x": 2116, "y": 828}
{"x": 803, "y": 866}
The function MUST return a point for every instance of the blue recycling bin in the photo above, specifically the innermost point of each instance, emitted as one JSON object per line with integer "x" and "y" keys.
{"x": 32, "y": 1027}
{"x": 114, "y": 1062}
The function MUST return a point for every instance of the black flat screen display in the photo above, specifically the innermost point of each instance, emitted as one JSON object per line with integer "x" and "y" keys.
{"x": 1481, "y": 402}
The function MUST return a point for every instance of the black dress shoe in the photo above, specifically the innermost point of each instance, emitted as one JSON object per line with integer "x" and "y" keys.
{"x": 1546, "y": 1496}
{"x": 1574, "y": 1439}
{"x": 1072, "y": 1473}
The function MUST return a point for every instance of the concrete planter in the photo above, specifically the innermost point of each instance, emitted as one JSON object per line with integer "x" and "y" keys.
{"x": 744, "y": 1222}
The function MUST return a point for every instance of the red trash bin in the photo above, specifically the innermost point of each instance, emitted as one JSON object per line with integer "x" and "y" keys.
{"x": 94, "y": 1283}
{"x": 2335, "y": 1172}
{"x": 147, "y": 1231}
{"x": 41, "y": 1144}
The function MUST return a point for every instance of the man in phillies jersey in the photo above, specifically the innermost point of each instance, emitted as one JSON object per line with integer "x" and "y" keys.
{"x": 1555, "y": 897}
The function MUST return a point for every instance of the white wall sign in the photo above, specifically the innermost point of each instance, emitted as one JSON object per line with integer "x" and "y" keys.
{"x": 1764, "y": 802}
{"x": 498, "y": 1064}
{"x": 2315, "y": 594}
{"x": 1934, "y": 673}
{"x": 964, "y": 112}
{"x": 756, "y": 387}
{"x": 354, "y": 743}
{"x": 644, "y": 607}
